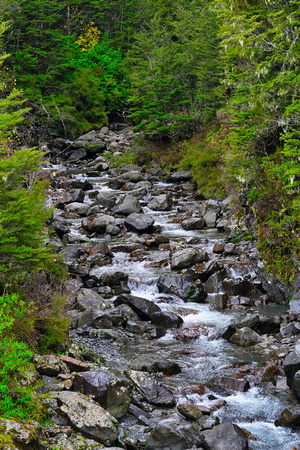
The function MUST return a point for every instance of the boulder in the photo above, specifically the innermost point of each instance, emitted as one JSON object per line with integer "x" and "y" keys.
{"x": 290, "y": 417}
{"x": 245, "y": 337}
{"x": 65, "y": 197}
{"x": 128, "y": 205}
{"x": 231, "y": 384}
{"x": 166, "y": 319}
{"x": 88, "y": 417}
{"x": 238, "y": 286}
{"x": 106, "y": 199}
{"x": 189, "y": 411}
{"x": 151, "y": 390}
{"x": 182, "y": 286}
{"x": 132, "y": 176}
{"x": 110, "y": 389}
{"x": 174, "y": 433}
{"x": 141, "y": 306}
{"x": 210, "y": 218}
{"x": 226, "y": 436}
{"x": 87, "y": 299}
{"x": 139, "y": 223}
{"x": 24, "y": 435}
{"x": 194, "y": 223}
{"x": 78, "y": 208}
{"x": 76, "y": 155}
{"x": 98, "y": 223}
{"x": 187, "y": 257}
{"x": 166, "y": 367}
{"x": 294, "y": 307}
{"x": 161, "y": 202}
{"x": 296, "y": 386}
{"x": 50, "y": 365}
{"x": 291, "y": 364}
{"x": 179, "y": 175}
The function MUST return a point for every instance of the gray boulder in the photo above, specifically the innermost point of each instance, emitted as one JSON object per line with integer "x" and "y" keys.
{"x": 141, "y": 306}
{"x": 210, "y": 218}
{"x": 226, "y": 436}
{"x": 291, "y": 364}
{"x": 193, "y": 223}
{"x": 110, "y": 389}
{"x": 78, "y": 208}
{"x": 88, "y": 417}
{"x": 290, "y": 417}
{"x": 65, "y": 197}
{"x": 128, "y": 205}
{"x": 166, "y": 319}
{"x": 296, "y": 386}
{"x": 174, "y": 433}
{"x": 187, "y": 257}
{"x": 151, "y": 390}
{"x": 106, "y": 199}
{"x": 245, "y": 337}
{"x": 161, "y": 202}
{"x": 294, "y": 307}
{"x": 98, "y": 223}
{"x": 182, "y": 286}
{"x": 139, "y": 223}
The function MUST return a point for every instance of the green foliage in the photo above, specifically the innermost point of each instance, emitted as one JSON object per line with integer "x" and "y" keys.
{"x": 23, "y": 213}
{"x": 17, "y": 400}
{"x": 173, "y": 67}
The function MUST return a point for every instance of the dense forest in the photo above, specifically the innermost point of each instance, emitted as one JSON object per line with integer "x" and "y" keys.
{"x": 220, "y": 76}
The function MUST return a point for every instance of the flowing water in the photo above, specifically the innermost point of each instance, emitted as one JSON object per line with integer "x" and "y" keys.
{"x": 206, "y": 355}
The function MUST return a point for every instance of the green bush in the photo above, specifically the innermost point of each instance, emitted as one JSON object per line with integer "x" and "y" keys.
{"x": 17, "y": 400}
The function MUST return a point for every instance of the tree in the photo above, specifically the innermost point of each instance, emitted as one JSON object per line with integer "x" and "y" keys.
{"x": 174, "y": 70}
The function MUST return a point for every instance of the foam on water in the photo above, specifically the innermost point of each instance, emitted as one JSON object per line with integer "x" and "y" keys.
{"x": 270, "y": 437}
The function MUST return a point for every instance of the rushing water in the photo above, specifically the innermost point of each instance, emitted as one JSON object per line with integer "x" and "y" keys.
{"x": 207, "y": 354}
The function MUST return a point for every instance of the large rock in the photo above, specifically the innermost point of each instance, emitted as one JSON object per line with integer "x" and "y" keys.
{"x": 187, "y": 257}
{"x": 141, "y": 306}
{"x": 50, "y": 365}
{"x": 107, "y": 199}
{"x": 87, "y": 299}
{"x": 291, "y": 364}
{"x": 174, "y": 433}
{"x": 245, "y": 337}
{"x": 194, "y": 223}
{"x": 161, "y": 202}
{"x": 238, "y": 286}
{"x": 226, "y": 436}
{"x": 128, "y": 205}
{"x": 65, "y": 197}
{"x": 24, "y": 435}
{"x": 296, "y": 386}
{"x": 290, "y": 417}
{"x": 182, "y": 286}
{"x": 294, "y": 307}
{"x": 88, "y": 417}
{"x": 139, "y": 223}
{"x": 231, "y": 384}
{"x": 179, "y": 175}
{"x": 166, "y": 319}
{"x": 133, "y": 176}
{"x": 151, "y": 390}
{"x": 111, "y": 390}
{"x": 98, "y": 223}
{"x": 78, "y": 208}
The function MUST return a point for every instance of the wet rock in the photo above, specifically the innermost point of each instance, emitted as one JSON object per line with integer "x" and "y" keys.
{"x": 294, "y": 307}
{"x": 167, "y": 367}
{"x": 76, "y": 155}
{"x": 71, "y": 252}
{"x": 98, "y": 223}
{"x": 78, "y": 208}
{"x": 290, "y": 330}
{"x": 174, "y": 434}
{"x": 111, "y": 318}
{"x": 88, "y": 417}
{"x": 237, "y": 286}
{"x": 245, "y": 337}
{"x": 66, "y": 197}
{"x": 187, "y": 257}
{"x": 231, "y": 384}
{"x": 182, "y": 286}
{"x": 291, "y": 364}
{"x": 218, "y": 247}
{"x": 24, "y": 435}
{"x": 229, "y": 248}
{"x": 226, "y": 436}
{"x": 128, "y": 205}
{"x": 87, "y": 299}
{"x": 193, "y": 223}
{"x": 139, "y": 223}
{"x": 210, "y": 218}
{"x": 296, "y": 386}
{"x": 151, "y": 390}
{"x": 220, "y": 301}
{"x": 271, "y": 371}
{"x": 50, "y": 365}
{"x": 166, "y": 319}
{"x": 290, "y": 418}
{"x": 189, "y": 411}
{"x": 161, "y": 202}
{"x": 133, "y": 176}
{"x": 205, "y": 271}
{"x": 106, "y": 199}
{"x": 141, "y": 306}
{"x": 110, "y": 389}
{"x": 59, "y": 228}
